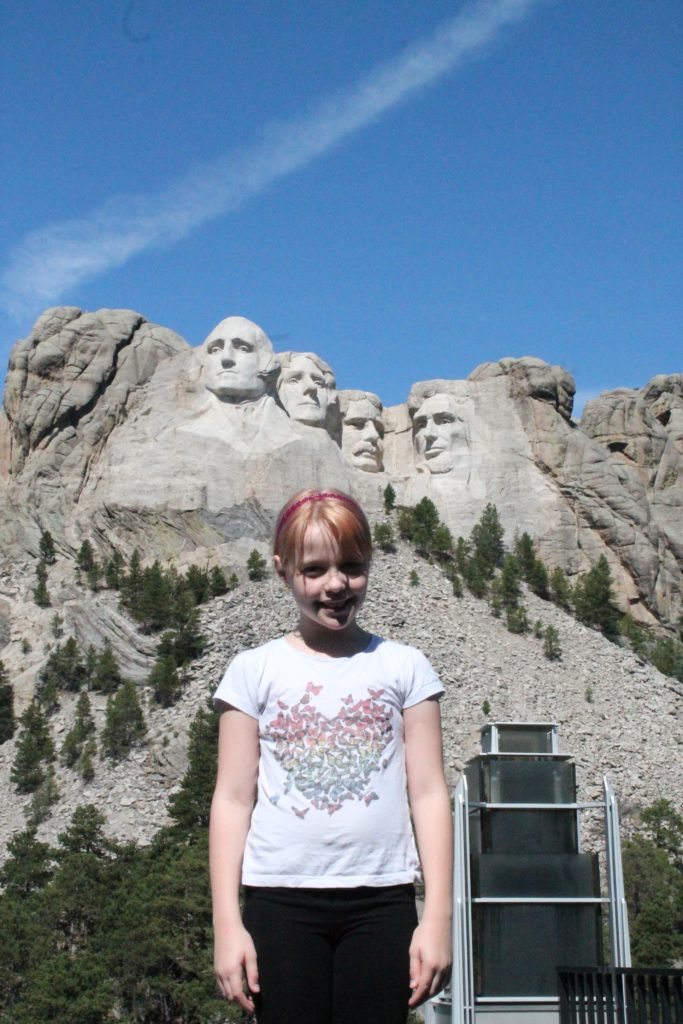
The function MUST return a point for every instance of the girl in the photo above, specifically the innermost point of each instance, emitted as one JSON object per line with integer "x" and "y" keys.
{"x": 323, "y": 728}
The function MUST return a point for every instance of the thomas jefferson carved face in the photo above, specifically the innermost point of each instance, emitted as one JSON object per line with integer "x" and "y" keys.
{"x": 362, "y": 435}
{"x": 437, "y": 426}
{"x": 237, "y": 356}
{"x": 305, "y": 388}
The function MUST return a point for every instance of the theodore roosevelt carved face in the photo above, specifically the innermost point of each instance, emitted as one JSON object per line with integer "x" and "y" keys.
{"x": 306, "y": 388}
{"x": 438, "y": 431}
{"x": 363, "y": 431}
{"x": 238, "y": 360}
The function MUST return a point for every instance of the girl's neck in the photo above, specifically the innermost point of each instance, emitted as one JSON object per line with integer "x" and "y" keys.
{"x": 329, "y": 643}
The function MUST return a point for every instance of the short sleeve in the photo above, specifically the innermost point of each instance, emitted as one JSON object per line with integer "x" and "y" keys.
{"x": 423, "y": 681}
{"x": 239, "y": 686}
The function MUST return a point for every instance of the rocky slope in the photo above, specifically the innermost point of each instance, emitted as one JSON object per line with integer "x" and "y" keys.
{"x": 616, "y": 715}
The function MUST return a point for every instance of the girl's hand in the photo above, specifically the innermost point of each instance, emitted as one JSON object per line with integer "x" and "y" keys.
{"x": 430, "y": 959}
{"x": 234, "y": 960}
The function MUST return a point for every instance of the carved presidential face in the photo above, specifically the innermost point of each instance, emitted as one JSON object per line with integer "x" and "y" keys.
{"x": 362, "y": 435}
{"x": 305, "y": 389}
{"x": 236, "y": 356}
{"x": 438, "y": 427}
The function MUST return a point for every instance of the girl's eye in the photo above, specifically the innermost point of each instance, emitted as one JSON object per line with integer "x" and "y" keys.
{"x": 354, "y": 568}
{"x": 312, "y": 570}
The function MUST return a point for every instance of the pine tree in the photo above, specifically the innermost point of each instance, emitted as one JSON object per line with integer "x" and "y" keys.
{"x": 40, "y": 592}
{"x": 516, "y": 619}
{"x": 106, "y": 675}
{"x": 383, "y": 536}
{"x": 43, "y": 799}
{"x": 233, "y": 581}
{"x": 475, "y": 578}
{"x": 389, "y": 498}
{"x": 486, "y": 539}
{"x": 155, "y": 604}
{"x": 85, "y": 833}
{"x": 94, "y": 575}
{"x": 533, "y": 570}
{"x": 593, "y": 602}
{"x": 551, "y": 644}
{"x": 34, "y": 750}
{"x": 538, "y": 580}
{"x": 525, "y": 554}
{"x": 124, "y": 723}
{"x": 47, "y": 548}
{"x": 653, "y": 887}
{"x": 29, "y": 865}
{"x": 85, "y": 766}
{"x": 441, "y": 545}
{"x": 426, "y": 520}
{"x": 131, "y": 586}
{"x": 7, "y": 721}
{"x": 462, "y": 555}
{"x": 636, "y": 636}
{"x": 667, "y": 656}
{"x": 85, "y": 559}
{"x": 164, "y": 680}
{"x": 114, "y": 571}
{"x": 217, "y": 582}
{"x": 79, "y": 733}
{"x": 63, "y": 670}
{"x": 197, "y": 580}
{"x": 188, "y": 642}
{"x": 510, "y": 582}
{"x": 560, "y": 588}
{"x": 256, "y": 567}
{"x": 189, "y": 807}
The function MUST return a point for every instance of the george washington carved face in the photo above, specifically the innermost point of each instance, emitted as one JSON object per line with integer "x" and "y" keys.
{"x": 238, "y": 359}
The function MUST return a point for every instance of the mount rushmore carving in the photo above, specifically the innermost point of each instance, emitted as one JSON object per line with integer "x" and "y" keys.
{"x": 117, "y": 430}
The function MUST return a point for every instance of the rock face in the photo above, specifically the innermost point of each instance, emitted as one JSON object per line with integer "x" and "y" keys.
{"x": 68, "y": 385}
{"x": 118, "y": 431}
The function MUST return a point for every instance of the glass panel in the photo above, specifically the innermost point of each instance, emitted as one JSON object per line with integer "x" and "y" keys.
{"x": 505, "y": 780}
{"x": 568, "y": 875}
{"x": 525, "y": 739}
{"x": 528, "y": 832}
{"x": 517, "y": 949}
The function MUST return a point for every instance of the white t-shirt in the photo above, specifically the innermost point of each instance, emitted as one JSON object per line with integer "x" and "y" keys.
{"x": 332, "y": 809}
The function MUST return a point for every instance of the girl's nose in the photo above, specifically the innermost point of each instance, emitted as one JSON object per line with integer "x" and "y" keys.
{"x": 336, "y": 579}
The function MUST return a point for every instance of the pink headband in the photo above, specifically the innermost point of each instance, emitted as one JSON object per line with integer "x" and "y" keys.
{"x": 316, "y": 496}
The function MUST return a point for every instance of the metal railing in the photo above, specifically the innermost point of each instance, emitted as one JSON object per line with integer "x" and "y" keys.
{"x": 613, "y": 995}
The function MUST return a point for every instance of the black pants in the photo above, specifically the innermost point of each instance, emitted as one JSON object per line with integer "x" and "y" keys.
{"x": 332, "y": 956}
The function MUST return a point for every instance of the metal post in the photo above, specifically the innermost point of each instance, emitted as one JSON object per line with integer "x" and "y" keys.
{"x": 618, "y": 917}
{"x": 462, "y": 978}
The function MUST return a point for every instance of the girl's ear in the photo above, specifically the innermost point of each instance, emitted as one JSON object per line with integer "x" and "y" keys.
{"x": 277, "y": 561}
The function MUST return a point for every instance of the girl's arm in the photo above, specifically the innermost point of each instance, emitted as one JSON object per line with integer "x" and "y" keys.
{"x": 231, "y": 808}
{"x": 430, "y": 950}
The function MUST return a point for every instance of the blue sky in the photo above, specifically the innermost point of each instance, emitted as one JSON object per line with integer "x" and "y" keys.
{"x": 408, "y": 189}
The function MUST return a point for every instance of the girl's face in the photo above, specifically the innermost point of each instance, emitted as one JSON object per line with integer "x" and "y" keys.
{"x": 329, "y": 591}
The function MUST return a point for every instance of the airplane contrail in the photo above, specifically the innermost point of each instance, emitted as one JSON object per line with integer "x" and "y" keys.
{"x": 61, "y": 255}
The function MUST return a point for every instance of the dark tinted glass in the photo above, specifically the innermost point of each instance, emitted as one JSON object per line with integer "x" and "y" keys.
{"x": 518, "y": 948}
{"x": 528, "y": 832}
{"x": 551, "y": 875}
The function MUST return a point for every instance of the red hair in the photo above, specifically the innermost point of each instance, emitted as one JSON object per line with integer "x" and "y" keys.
{"x": 338, "y": 513}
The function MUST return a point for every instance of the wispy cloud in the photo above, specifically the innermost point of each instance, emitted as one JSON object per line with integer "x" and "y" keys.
{"x": 50, "y": 261}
